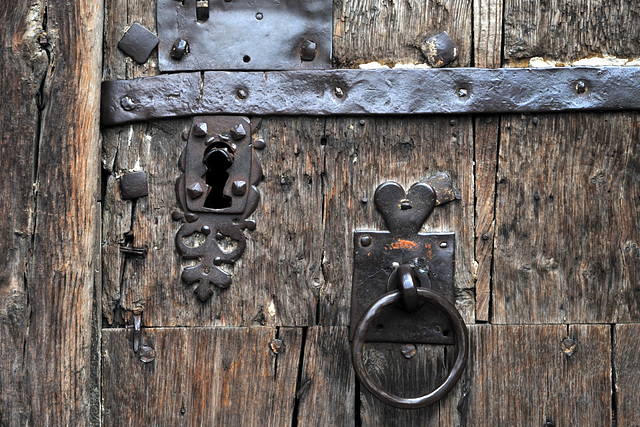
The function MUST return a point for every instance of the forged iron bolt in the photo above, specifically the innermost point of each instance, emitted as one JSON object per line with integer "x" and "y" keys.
{"x": 405, "y": 204}
{"x": 485, "y": 236}
{"x": 147, "y": 354}
{"x": 439, "y": 50}
{"x": 191, "y": 217}
{"x": 409, "y": 350}
{"x": 238, "y": 132}
{"x": 365, "y": 200}
{"x": 339, "y": 92}
{"x": 242, "y": 94}
{"x": 250, "y": 224}
{"x": 127, "y": 104}
{"x": 444, "y": 244}
{"x": 535, "y": 120}
{"x": 217, "y": 261}
{"x": 259, "y": 16}
{"x": 202, "y": 10}
{"x": 277, "y": 346}
{"x": 239, "y": 188}
{"x": 259, "y": 144}
{"x": 179, "y": 49}
{"x": 200, "y": 129}
{"x": 462, "y": 92}
{"x": 362, "y": 122}
{"x": 581, "y": 87}
{"x": 206, "y": 230}
{"x": 308, "y": 50}
{"x": 452, "y": 122}
{"x": 195, "y": 190}
{"x": 134, "y": 185}
{"x": 365, "y": 240}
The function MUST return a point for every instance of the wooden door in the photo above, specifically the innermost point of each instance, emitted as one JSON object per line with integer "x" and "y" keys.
{"x": 547, "y": 225}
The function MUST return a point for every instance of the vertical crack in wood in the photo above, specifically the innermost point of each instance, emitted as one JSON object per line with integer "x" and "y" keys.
{"x": 300, "y": 387}
{"x": 614, "y": 378}
{"x": 323, "y": 190}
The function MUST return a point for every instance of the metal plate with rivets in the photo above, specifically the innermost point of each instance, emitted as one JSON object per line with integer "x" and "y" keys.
{"x": 245, "y": 34}
{"x": 432, "y": 257}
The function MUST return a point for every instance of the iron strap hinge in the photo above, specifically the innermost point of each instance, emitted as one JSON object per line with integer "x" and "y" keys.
{"x": 371, "y": 92}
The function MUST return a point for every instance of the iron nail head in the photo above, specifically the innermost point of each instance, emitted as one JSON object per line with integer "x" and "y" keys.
{"x": 409, "y": 350}
{"x": 179, "y": 49}
{"x": 365, "y": 241}
{"x": 308, "y": 50}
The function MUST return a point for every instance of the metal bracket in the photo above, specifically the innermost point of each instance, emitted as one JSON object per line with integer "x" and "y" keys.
{"x": 379, "y": 256}
{"x": 244, "y": 34}
{"x": 217, "y": 193}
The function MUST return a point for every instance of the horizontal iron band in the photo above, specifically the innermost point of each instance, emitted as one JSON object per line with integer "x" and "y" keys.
{"x": 371, "y": 92}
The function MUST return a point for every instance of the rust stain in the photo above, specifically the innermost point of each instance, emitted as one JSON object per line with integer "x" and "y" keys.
{"x": 404, "y": 244}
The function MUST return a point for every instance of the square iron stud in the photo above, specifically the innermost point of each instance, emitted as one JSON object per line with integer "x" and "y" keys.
{"x": 138, "y": 43}
{"x": 239, "y": 188}
{"x": 134, "y": 185}
{"x": 238, "y": 132}
{"x": 195, "y": 190}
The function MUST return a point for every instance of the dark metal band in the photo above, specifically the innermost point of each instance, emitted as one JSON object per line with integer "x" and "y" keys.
{"x": 462, "y": 342}
{"x": 371, "y": 92}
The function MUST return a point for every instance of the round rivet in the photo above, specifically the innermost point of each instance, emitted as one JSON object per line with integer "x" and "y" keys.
{"x": 242, "y": 94}
{"x": 581, "y": 87}
{"x": 127, "y": 104}
{"x": 444, "y": 244}
{"x": 462, "y": 92}
{"x": 339, "y": 92}
{"x": 409, "y": 350}
{"x": 365, "y": 240}
{"x": 485, "y": 236}
{"x": 259, "y": 144}
{"x": 217, "y": 261}
{"x": 259, "y": 16}
{"x": 205, "y": 230}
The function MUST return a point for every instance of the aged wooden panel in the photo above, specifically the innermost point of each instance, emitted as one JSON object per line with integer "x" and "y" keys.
{"x": 532, "y": 375}
{"x": 626, "y": 363}
{"x": 50, "y": 210}
{"x": 486, "y": 158}
{"x": 326, "y": 388}
{"x": 403, "y": 376}
{"x": 567, "y": 220}
{"x": 201, "y": 376}
{"x": 567, "y": 30}
{"x": 487, "y": 33}
{"x": 390, "y": 32}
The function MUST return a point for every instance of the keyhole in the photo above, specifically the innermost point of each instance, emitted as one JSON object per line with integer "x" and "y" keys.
{"x": 218, "y": 159}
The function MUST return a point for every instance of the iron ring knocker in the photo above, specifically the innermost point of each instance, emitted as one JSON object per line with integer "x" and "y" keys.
{"x": 461, "y": 339}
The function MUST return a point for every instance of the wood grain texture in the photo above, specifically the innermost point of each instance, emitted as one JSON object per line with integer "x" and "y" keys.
{"x": 487, "y": 33}
{"x": 567, "y": 30}
{"x": 524, "y": 375}
{"x": 326, "y": 390}
{"x": 201, "y": 376}
{"x": 626, "y": 362}
{"x": 390, "y": 32}
{"x": 567, "y": 220}
{"x": 486, "y": 157}
{"x": 50, "y": 210}
{"x": 406, "y": 377}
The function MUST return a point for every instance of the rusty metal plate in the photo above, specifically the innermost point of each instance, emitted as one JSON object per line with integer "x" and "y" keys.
{"x": 335, "y": 92}
{"x": 245, "y": 34}
{"x": 432, "y": 257}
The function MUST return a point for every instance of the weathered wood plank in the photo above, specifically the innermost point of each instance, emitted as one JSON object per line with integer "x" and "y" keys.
{"x": 326, "y": 391}
{"x": 358, "y": 158}
{"x": 567, "y": 30}
{"x": 201, "y": 376}
{"x": 486, "y": 158}
{"x": 390, "y": 32}
{"x": 531, "y": 375}
{"x": 49, "y": 231}
{"x": 487, "y": 33}
{"x": 403, "y": 376}
{"x": 487, "y": 37}
{"x": 627, "y": 363}
{"x": 567, "y": 220}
